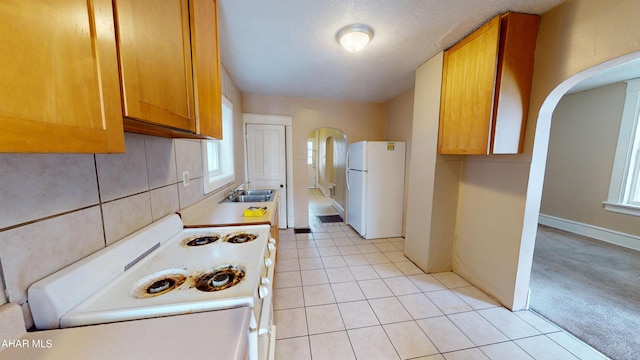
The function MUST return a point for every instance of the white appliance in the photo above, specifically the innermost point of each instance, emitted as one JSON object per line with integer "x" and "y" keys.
{"x": 164, "y": 270}
{"x": 375, "y": 185}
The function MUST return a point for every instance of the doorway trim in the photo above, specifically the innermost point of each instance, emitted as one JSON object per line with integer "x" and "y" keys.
{"x": 287, "y": 122}
{"x": 537, "y": 169}
{"x": 324, "y": 190}
{"x": 314, "y": 159}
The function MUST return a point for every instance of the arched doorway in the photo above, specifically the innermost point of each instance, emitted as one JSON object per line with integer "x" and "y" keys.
{"x": 582, "y": 308}
{"x": 326, "y": 161}
{"x": 540, "y": 149}
{"x": 329, "y": 167}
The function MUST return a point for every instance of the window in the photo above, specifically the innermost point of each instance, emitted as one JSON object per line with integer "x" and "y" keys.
{"x": 217, "y": 155}
{"x": 309, "y": 152}
{"x": 624, "y": 189}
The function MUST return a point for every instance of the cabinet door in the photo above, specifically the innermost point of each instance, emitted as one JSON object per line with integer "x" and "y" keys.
{"x": 59, "y": 89}
{"x": 155, "y": 62}
{"x": 467, "y": 92}
{"x": 513, "y": 83}
{"x": 206, "y": 68}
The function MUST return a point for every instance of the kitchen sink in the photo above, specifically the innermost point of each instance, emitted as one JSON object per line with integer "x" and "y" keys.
{"x": 248, "y": 196}
{"x": 255, "y": 192}
{"x": 251, "y": 198}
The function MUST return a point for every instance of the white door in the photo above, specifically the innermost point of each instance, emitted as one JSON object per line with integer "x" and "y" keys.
{"x": 266, "y": 162}
{"x": 311, "y": 164}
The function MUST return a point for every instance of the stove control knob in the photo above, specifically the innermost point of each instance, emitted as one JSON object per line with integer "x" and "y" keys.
{"x": 272, "y": 241}
{"x": 263, "y": 292}
{"x": 271, "y": 247}
{"x": 268, "y": 262}
{"x": 265, "y": 281}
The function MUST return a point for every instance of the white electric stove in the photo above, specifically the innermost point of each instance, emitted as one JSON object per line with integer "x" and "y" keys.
{"x": 164, "y": 270}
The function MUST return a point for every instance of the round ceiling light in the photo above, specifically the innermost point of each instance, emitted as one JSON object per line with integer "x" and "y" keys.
{"x": 354, "y": 37}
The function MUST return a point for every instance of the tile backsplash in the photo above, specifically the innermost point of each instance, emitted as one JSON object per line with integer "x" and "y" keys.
{"x": 56, "y": 209}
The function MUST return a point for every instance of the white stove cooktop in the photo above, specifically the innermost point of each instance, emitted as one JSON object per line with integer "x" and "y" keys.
{"x": 125, "y": 295}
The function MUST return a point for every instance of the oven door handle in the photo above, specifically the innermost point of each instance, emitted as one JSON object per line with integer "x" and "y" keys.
{"x": 265, "y": 315}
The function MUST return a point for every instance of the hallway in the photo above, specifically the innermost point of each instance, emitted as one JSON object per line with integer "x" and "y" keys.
{"x": 340, "y": 297}
{"x": 320, "y": 205}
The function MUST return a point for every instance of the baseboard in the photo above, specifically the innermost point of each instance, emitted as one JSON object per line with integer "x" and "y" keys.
{"x": 607, "y": 235}
{"x": 323, "y": 190}
{"x": 339, "y": 208}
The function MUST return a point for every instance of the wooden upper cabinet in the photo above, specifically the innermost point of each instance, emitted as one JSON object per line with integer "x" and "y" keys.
{"x": 206, "y": 68}
{"x": 155, "y": 62}
{"x": 486, "y": 84}
{"x": 170, "y": 67}
{"x": 59, "y": 89}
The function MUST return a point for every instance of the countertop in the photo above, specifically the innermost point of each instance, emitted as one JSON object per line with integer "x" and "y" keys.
{"x": 206, "y": 335}
{"x": 208, "y": 212}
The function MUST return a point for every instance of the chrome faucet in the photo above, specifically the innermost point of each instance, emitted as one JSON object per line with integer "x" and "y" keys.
{"x": 233, "y": 192}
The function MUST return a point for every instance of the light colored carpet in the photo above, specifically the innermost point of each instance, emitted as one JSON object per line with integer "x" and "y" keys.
{"x": 589, "y": 288}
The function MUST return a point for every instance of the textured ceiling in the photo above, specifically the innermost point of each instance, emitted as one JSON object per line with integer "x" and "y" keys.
{"x": 288, "y": 47}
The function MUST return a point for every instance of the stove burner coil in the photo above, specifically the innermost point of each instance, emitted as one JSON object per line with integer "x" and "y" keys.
{"x": 200, "y": 240}
{"x": 240, "y": 238}
{"x": 160, "y": 285}
{"x": 220, "y": 278}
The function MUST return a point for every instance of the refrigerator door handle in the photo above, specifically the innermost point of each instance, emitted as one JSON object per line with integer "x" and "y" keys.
{"x": 347, "y": 176}
{"x": 348, "y": 150}
{"x": 346, "y": 173}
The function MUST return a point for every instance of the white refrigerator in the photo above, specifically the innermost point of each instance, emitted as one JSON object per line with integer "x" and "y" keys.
{"x": 375, "y": 186}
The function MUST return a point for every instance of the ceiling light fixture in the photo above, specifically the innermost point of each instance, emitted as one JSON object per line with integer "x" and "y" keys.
{"x": 354, "y": 37}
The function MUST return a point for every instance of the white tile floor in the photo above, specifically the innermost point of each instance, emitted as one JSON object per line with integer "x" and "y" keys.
{"x": 338, "y": 296}
{"x": 319, "y": 205}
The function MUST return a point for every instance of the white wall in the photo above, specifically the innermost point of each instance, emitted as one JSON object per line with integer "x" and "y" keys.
{"x": 433, "y": 179}
{"x": 233, "y": 94}
{"x": 499, "y": 200}
{"x": 399, "y": 124}
{"x": 358, "y": 120}
{"x": 337, "y": 174}
{"x": 582, "y": 147}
